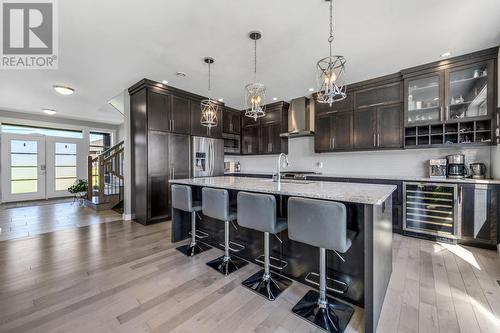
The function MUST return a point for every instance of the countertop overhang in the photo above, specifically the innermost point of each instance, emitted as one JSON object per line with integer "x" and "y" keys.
{"x": 368, "y": 194}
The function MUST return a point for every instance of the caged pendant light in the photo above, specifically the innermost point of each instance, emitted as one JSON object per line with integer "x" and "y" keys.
{"x": 208, "y": 106}
{"x": 331, "y": 72}
{"x": 255, "y": 93}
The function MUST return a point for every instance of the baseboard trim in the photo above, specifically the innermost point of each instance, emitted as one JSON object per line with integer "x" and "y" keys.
{"x": 128, "y": 217}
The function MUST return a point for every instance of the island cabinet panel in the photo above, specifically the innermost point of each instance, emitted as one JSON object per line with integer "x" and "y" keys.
{"x": 365, "y": 129}
{"x": 479, "y": 208}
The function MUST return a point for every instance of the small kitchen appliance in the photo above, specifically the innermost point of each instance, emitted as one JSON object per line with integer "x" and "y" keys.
{"x": 437, "y": 168}
{"x": 478, "y": 170}
{"x": 456, "y": 166}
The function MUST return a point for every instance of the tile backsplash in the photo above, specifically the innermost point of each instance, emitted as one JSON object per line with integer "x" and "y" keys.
{"x": 411, "y": 162}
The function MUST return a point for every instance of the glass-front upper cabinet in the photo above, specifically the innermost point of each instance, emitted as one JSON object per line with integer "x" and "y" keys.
{"x": 468, "y": 91}
{"x": 424, "y": 96}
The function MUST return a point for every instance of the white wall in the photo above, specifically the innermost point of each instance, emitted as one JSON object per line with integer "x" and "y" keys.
{"x": 377, "y": 163}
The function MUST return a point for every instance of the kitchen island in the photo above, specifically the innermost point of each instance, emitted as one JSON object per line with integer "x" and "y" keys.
{"x": 368, "y": 264}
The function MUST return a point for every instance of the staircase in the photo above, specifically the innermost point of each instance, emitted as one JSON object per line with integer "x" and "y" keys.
{"x": 105, "y": 174}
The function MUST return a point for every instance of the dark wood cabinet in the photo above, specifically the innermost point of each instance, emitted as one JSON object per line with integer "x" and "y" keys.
{"x": 250, "y": 140}
{"x": 180, "y": 115}
{"x": 334, "y": 132}
{"x": 158, "y": 154}
{"x": 479, "y": 210}
{"x": 159, "y": 109}
{"x": 380, "y": 95}
{"x": 390, "y": 126}
{"x": 342, "y": 130}
{"x": 365, "y": 135}
{"x": 199, "y": 130}
{"x": 231, "y": 121}
{"x": 262, "y": 136}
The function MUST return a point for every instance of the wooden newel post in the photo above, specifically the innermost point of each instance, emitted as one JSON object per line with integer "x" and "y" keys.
{"x": 89, "y": 178}
{"x": 100, "y": 163}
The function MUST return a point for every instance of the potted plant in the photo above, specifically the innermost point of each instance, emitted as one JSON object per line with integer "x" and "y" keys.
{"x": 79, "y": 189}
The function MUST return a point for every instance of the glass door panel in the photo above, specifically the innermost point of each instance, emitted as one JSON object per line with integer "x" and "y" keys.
{"x": 65, "y": 166}
{"x": 424, "y": 99}
{"x": 24, "y": 173}
{"x": 468, "y": 92}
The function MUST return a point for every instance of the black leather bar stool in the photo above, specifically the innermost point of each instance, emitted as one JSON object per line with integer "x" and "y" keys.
{"x": 215, "y": 204}
{"x": 258, "y": 212}
{"x": 182, "y": 199}
{"x": 322, "y": 224}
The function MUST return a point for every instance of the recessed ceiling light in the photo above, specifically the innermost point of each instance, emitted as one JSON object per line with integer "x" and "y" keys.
{"x": 221, "y": 100}
{"x": 446, "y": 54}
{"x": 275, "y": 98}
{"x": 49, "y": 111}
{"x": 311, "y": 89}
{"x": 64, "y": 90}
{"x": 164, "y": 82}
{"x": 181, "y": 74}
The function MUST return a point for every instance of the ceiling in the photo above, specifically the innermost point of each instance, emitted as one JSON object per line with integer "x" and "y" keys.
{"x": 106, "y": 46}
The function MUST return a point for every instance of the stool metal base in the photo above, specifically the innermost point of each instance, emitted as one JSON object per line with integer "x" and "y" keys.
{"x": 313, "y": 278}
{"x": 334, "y": 317}
{"x": 270, "y": 288}
{"x": 280, "y": 264}
{"x": 226, "y": 265}
{"x": 192, "y": 250}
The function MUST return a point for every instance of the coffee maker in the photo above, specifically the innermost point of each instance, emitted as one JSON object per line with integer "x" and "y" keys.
{"x": 456, "y": 166}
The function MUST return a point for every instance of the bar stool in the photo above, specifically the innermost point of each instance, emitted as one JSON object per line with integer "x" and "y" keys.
{"x": 258, "y": 212}
{"x": 322, "y": 224}
{"x": 215, "y": 204}
{"x": 182, "y": 199}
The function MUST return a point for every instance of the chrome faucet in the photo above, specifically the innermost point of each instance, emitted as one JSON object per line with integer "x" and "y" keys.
{"x": 279, "y": 165}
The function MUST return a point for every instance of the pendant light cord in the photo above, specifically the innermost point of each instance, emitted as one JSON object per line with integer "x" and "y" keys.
{"x": 255, "y": 60}
{"x": 330, "y": 39}
{"x": 209, "y": 82}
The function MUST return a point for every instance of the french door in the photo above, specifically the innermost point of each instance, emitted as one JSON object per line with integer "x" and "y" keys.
{"x": 39, "y": 167}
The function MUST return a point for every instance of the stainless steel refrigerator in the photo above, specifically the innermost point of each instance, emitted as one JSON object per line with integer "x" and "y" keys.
{"x": 208, "y": 156}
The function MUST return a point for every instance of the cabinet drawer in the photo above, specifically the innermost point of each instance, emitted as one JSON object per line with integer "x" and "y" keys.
{"x": 391, "y": 93}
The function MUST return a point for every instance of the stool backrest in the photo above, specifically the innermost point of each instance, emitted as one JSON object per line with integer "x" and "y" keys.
{"x": 182, "y": 197}
{"x": 215, "y": 203}
{"x": 257, "y": 211}
{"x": 318, "y": 223}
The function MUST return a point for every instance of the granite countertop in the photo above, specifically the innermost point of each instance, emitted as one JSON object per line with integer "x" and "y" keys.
{"x": 402, "y": 178}
{"x": 370, "y": 194}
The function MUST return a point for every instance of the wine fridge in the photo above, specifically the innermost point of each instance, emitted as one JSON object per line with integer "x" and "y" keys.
{"x": 432, "y": 209}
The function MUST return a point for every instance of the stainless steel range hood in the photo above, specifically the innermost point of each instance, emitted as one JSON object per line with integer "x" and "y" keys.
{"x": 300, "y": 118}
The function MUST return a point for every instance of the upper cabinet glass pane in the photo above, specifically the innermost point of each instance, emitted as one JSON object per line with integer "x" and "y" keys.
{"x": 468, "y": 92}
{"x": 424, "y": 103}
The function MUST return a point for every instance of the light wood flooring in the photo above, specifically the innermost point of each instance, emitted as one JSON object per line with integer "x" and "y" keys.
{"x": 25, "y": 219}
{"x": 123, "y": 277}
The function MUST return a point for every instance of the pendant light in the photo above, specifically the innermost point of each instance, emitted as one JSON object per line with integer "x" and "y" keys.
{"x": 331, "y": 72}
{"x": 255, "y": 93}
{"x": 208, "y": 106}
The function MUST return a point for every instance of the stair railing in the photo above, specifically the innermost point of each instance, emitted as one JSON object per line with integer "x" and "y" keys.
{"x": 105, "y": 173}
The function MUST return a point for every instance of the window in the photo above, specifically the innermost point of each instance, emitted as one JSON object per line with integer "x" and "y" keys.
{"x": 24, "y": 166}
{"x": 99, "y": 142}
{"x": 19, "y": 129}
{"x": 65, "y": 165}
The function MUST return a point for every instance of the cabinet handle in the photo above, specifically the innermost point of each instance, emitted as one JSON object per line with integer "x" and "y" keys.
{"x": 374, "y": 139}
{"x": 173, "y": 124}
{"x": 378, "y": 139}
{"x": 330, "y": 143}
{"x": 333, "y": 143}
{"x": 173, "y": 173}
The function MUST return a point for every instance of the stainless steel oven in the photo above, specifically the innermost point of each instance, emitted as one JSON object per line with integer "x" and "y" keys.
{"x": 432, "y": 209}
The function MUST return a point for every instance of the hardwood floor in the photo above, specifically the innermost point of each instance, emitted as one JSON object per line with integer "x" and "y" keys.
{"x": 26, "y": 219}
{"x": 124, "y": 277}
